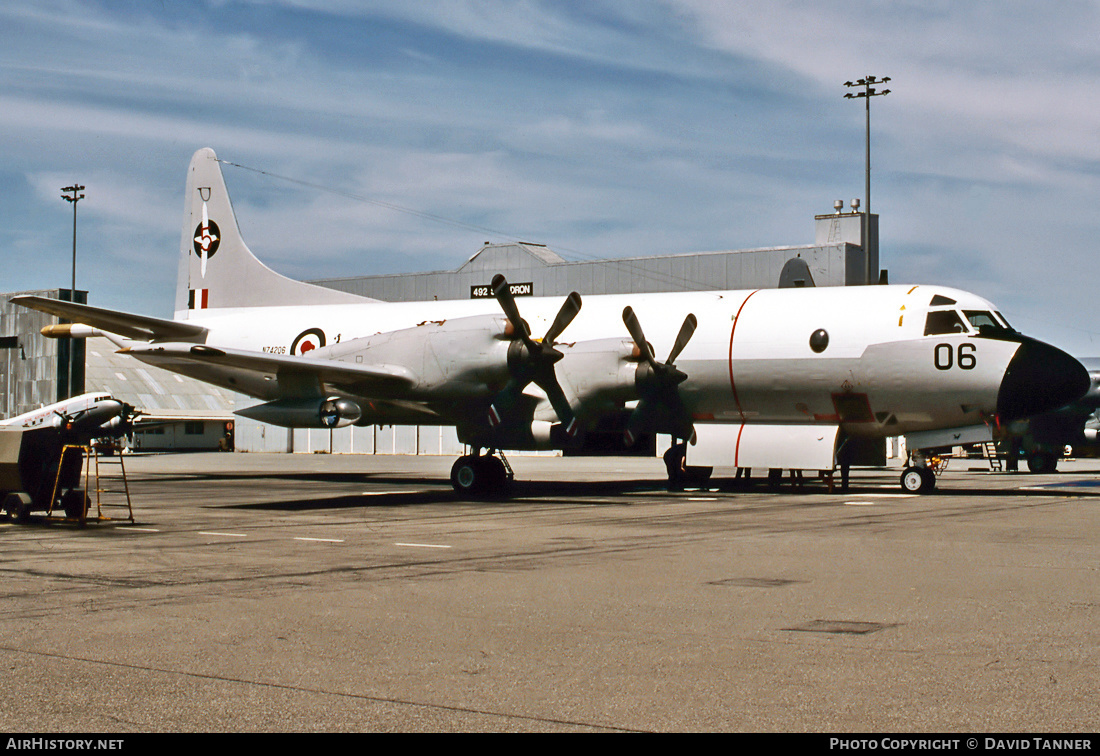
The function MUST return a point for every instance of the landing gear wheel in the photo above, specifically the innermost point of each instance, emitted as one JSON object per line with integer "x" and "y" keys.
{"x": 475, "y": 475}
{"x": 919, "y": 480}
{"x": 496, "y": 477}
{"x": 17, "y": 506}
{"x": 466, "y": 475}
{"x": 1042, "y": 462}
{"x": 674, "y": 466}
{"x": 75, "y": 503}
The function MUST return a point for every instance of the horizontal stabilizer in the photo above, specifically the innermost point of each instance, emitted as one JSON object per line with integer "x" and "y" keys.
{"x": 140, "y": 327}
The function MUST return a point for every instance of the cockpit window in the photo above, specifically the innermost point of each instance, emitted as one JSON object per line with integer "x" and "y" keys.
{"x": 943, "y": 321}
{"x": 939, "y": 300}
{"x": 1004, "y": 320}
{"x": 980, "y": 318}
{"x": 985, "y": 321}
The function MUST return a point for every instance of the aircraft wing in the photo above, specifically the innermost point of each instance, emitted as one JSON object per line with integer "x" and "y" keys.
{"x": 141, "y": 327}
{"x": 380, "y": 381}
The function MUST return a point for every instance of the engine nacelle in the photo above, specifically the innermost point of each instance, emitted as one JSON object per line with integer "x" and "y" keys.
{"x": 454, "y": 358}
{"x": 536, "y": 436}
{"x": 334, "y": 412}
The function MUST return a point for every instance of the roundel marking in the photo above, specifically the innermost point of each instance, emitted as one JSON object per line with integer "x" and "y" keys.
{"x": 307, "y": 341}
{"x": 207, "y": 238}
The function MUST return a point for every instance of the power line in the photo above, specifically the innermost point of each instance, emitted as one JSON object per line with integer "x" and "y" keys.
{"x": 622, "y": 265}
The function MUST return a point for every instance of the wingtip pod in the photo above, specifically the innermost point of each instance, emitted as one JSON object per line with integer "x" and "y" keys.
{"x": 70, "y": 331}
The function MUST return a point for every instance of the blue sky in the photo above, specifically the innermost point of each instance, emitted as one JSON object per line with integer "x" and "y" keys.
{"x": 603, "y": 128}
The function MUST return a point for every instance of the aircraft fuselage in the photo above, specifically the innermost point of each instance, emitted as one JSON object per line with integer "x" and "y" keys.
{"x": 857, "y": 357}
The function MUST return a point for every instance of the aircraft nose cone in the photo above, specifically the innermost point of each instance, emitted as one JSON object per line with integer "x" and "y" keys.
{"x": 1040, "y": 378}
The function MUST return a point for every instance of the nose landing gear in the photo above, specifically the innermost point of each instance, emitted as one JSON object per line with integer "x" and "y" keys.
{"x": 920, "y": 480}
{"x": 919, "y": 476}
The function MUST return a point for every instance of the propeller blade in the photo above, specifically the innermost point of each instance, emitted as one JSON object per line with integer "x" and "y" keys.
{"x": 505, "y": 402}
{"x": 503, "y": 294}
{"x": 686, "y": 332}
{"x": 636, "y": 333}
{"x": 637, "y": 423}
{"x": 569, "y": 309}
{"x": 561, "y": 406}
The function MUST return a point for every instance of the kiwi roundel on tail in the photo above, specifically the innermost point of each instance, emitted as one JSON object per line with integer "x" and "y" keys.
{"x": 216, "y": 268}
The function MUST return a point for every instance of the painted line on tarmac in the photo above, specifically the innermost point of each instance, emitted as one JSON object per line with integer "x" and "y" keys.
{"x": 859, "y": 502}
{"x": 423, "y": 545}
{"x": 223, "y": 535}
{"x": 319, "y": 540}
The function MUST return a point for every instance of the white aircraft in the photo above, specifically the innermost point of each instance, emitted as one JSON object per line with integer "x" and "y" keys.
{"x": 770, "y": 378}
{"x": 84, "y": 417}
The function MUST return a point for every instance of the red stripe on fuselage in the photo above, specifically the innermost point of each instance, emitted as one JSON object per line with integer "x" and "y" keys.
{"x": 737, "y": 447}
{"x": 733, "y": 330}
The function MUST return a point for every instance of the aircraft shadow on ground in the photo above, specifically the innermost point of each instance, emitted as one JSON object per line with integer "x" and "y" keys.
{"x": 414, "y": 492}
{"x": 542, "y": 492}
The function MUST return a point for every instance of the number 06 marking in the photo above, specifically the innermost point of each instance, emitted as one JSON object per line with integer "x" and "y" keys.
{"x": 944, "y": 357}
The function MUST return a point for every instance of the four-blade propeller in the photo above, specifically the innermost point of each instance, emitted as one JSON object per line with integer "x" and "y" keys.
{"x": 660, "y": 408}
{"x": 533, "y": 361}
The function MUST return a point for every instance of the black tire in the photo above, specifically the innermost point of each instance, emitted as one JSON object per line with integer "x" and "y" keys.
{"x": 494, "y": 475}
{"x": 674, "y": 466}
{"x": 919, "y": 480}
{"x": 1042, "y": 462}
{"x": 75, "y": 503}
{"x": 17, "y": 505}
{"x": 467, "y": 476}
{"x": 479, "y": 476}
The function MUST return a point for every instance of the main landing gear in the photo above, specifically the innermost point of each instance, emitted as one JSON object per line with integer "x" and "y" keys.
{"x": 481, "y": 474}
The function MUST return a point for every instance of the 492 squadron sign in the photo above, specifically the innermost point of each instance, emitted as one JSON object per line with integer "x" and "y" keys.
{"x": 517, "y": 289}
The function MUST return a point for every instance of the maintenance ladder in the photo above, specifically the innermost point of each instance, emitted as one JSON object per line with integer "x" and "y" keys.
{"x": 111, "y": 484}
{"x": 989, "y": 451}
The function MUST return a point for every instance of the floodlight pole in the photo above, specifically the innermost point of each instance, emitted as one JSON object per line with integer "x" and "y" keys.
{"x": 868, "y": 92}
{"x": 72, "y": 196}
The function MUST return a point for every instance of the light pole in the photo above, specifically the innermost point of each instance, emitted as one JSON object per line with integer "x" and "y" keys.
{"x": 72, "y": 195}
{"x": 868, "y": 83}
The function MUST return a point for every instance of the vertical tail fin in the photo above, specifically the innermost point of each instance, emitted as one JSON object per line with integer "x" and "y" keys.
{"x": 216, "y": 268}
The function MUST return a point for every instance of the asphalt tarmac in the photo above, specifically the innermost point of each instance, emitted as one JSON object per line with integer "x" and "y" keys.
{"x": 321, "y": 593}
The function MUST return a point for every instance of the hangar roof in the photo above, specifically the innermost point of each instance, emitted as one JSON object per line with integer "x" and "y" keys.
{"x": 836, "y": 262}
